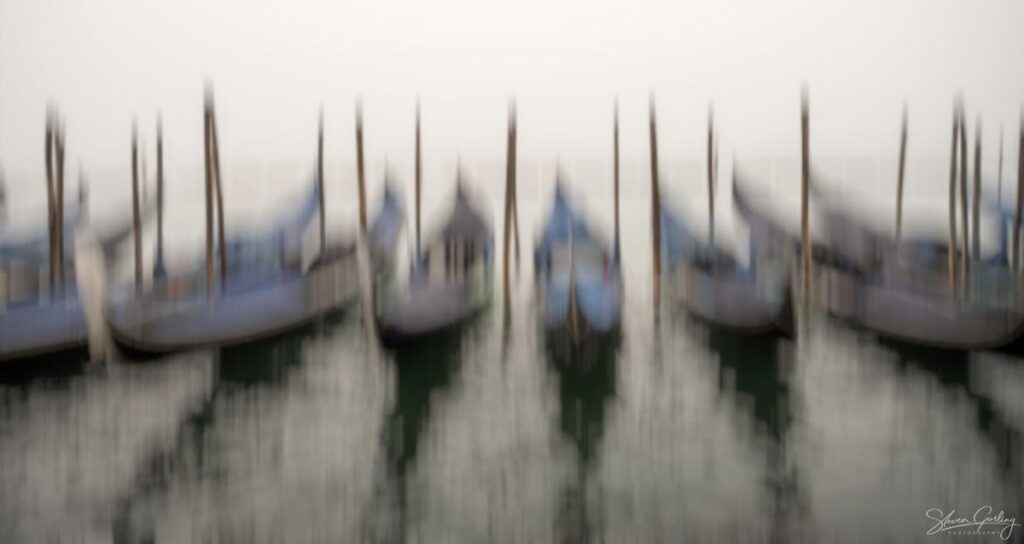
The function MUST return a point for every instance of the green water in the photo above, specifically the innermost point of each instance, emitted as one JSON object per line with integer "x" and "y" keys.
{"x": 675, "y": 432}
{"x": 493, "y": 436}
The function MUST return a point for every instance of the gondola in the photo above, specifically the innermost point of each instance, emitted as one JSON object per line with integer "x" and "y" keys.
{"x": 579, "y": 279}
{"x": 267, "y": 288}
{"x": 713, "y": 286}
{"x": 906, "y": 293}
{"x": 36, "y": 321}
{"x": 450, "y": 282}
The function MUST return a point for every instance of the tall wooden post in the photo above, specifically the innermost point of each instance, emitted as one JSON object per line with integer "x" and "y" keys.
{"x": 320, "y": 181}
{"x": 3, "y": 199}
{"x": 208, "y": 162}
{"x": 711, "y": 177}
{"x": 999, "y": 182}
{"x": 805, "y": 184}
{"x": 51, "y": 210}
{"x": 1020, "y": 198}
{"x": 136, "y": 220}
{"x": 218, "y": 186}
{"x": 966, "y": 248}
{"x": 515, "y": 197}
{"x": 59, "y": 251}
{"x": 899, "y": 178}
{"x": 615, "y": 146}
{"x": 655, "y": 202}
{"x": 976, "y": 209}
{"x": 510, "y": 176}
{"x": 419, "y": 177}
{"x": 159, "y": 195}
{"x": 360, "y": 166}
{"x": 952, "y": 200}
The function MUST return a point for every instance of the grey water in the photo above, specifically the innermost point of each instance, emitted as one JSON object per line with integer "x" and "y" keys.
{"x": 677, "y": 432}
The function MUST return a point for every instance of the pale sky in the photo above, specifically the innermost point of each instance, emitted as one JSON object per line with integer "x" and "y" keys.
{"x": 274, "y": 63}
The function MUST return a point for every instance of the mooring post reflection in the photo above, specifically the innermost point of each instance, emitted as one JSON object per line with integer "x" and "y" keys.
{"x": 422, "y": 376}
{"x": 586, "y": 377}
{"x": 953, "y": 372}
{"x": 754, "y": 373}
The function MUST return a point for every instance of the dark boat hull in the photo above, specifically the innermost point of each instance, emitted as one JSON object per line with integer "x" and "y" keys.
{"x": 42, "y": 330}
{"x": 428, "y": 311}
{"x": 148, "y": 329}
{"x": 922, "y": 317}
{"x": 732, "y": 303}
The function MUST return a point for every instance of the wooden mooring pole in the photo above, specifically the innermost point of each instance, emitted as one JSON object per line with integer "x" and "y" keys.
{"x": 320, "y": 181}
{"x": 51, "y": 210}
{"x": 899, "y": 176}
{"x": 805, "y": 184}
{"x": 218, "y": 186}
{"x": 952, "y": 200}
{"x": 159, "y": 269}
{"x": 615, "y": 151}
{"x": 136, "y": 219}
{"x": 360, "y": 167}
{"x": 59, "y": 219}
{"x": 966, "y": 248}
{"x": 711, "y": 177}
{"x": 510, "y": 176}
{"x": 655, "y": 203}
{"x": 208, "y": 163}
{"x": 976, "y": 209}
{"x": 419, "y": 177}
{"x": 1020, "y": 198}
{"x": 999, "y": 182}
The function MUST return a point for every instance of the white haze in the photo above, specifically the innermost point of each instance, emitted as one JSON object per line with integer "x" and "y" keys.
{"x": 274, "y": 64}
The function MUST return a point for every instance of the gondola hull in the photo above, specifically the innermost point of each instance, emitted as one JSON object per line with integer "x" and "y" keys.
{"x": 151, "y": 328}
{"x": 47, "y": 329}
{"x": 731, "y": 302}
{"x": 922, "y": 316}
{"x": 584, "y": 311}
{"x": 429, "y": 311}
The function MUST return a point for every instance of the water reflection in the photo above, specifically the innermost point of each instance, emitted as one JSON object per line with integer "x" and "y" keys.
{"x": 754, "y": 372}
{"x": 242, "y": 378}
{"x": 261, "y": 363}
{"x": 953, "y": 372}
{"x": 586, "y": 378}
{"x": 423, "y": 375}
{"x": 55, "y": 369}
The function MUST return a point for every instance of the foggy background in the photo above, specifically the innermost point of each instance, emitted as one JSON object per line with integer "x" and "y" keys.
{"x": 273, "y": 65}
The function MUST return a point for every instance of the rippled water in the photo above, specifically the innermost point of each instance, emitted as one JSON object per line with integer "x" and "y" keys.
{"x": 679, "y": 431}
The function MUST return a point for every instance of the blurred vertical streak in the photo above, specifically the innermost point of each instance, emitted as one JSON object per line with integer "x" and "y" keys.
{"x": 218, "y": 186}
{"x": 136, "y": 220}
{"x": 320, "y": 181}
{"x": 360, "y": 167}
{"x": 952, "y": 204}
{"x": 711, "y": 177}
{"x": 999, "y": 180}
{"x": 965, "y": 267}
{"x": 1020, "y": 197}
{"x": 159, "y": 268}
{"x": 615, "y": 146}
{"x": 510, "y": 177}
{"x": 419, "y": 177}
{"x": 975, "y": 219}
{"x": 805, "y": 230}
{"x": 655, "y": 204}
{"x": 900, "y": 178}
{"x": 59, "y": 220}
{"x": 51, "y": 214}
{"x": 209, "y": 191}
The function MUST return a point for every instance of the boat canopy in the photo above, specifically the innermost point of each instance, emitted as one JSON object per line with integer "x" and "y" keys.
{"x": 465, "y": 224}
